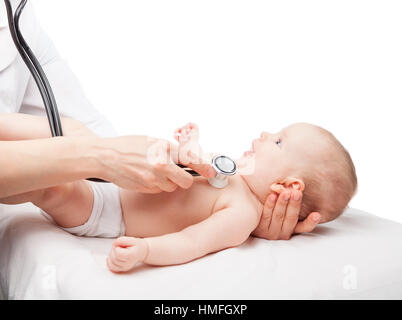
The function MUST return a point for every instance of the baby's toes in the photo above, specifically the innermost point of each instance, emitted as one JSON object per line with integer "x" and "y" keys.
{"x": 192, "y": 131}
{"x": 181, "y": 135}
{"x": 192, "y": 126}
{"x": 177, "y": 134}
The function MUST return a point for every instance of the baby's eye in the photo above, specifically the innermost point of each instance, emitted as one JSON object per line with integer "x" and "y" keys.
{"x": 278, "y": 142}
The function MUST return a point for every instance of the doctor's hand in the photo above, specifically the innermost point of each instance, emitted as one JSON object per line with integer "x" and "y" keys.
{"x": 279, "y": 220}
{"x": 144, "y": 164}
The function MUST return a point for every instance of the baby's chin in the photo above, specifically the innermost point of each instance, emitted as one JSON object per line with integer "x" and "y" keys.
{"x": 246, "y": 163}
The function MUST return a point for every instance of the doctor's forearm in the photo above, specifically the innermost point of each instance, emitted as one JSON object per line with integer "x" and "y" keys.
{"x": 36, "y": 164}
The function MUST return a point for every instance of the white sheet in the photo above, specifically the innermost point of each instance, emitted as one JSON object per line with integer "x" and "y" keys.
{"x": 357, "y": 256}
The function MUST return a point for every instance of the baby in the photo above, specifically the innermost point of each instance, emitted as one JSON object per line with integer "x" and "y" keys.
{"x": 180, "y": 226}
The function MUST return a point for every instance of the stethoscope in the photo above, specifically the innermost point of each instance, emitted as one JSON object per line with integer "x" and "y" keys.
{"x": 224, "y": 168}
{"x": 223, "y": 165}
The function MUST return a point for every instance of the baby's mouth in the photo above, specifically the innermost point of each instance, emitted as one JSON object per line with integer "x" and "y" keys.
{"x": 251, "y": 152}
{"x": 248, "y": 153}
{"x": 253, "y": 146}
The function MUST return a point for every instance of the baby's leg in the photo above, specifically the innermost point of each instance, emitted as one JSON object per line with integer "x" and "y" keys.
{"x": 69, "y": 204}
{"x": 189, "y": 150}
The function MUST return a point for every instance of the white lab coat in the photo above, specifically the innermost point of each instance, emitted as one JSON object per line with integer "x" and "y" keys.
{"x": 18, "y": 91}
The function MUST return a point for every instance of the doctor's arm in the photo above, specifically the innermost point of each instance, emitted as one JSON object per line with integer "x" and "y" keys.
{"x": 18, "y": 126}
{"x": 41, "y": 163}
{"x": 28, "y": 165}
{"x": 44, "y": 162}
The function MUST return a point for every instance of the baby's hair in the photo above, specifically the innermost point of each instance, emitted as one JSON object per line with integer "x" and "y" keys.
{"x": 332, "y": 183}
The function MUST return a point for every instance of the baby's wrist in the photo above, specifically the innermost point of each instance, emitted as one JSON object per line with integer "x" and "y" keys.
{"x": 145, "y": 250}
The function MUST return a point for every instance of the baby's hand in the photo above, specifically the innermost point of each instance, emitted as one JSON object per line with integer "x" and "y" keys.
{"x": 189, "y": 149}
{"x": 126, "y": 253}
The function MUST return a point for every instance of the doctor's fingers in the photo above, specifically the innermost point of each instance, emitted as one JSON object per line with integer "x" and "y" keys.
{"x": 200, "y": 163}
{"x": 268, "y": 209}
{"x": 165, "y": 184}
{"x": 308, "y": 224}
{"x": 292, "y": 215}
{"x": 149, "y": 190}
{"x": 152, "y": 180}
{"x": 278, "y": 215}
{"x": 262, "y": 229}
{"x": 137, "y": 185}
{"x": 205, "y": 170}
{"x": 156, "y": 180}
{"x": 176, "y": 175}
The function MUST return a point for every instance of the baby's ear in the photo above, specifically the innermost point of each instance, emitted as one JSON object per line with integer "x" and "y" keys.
{"x": 288, "y": 183}
{"x": 294, "y": 183}
{"x": 277, "y": 187}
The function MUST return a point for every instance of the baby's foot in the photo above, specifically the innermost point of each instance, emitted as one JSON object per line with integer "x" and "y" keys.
{"x": 187, "y": 133}
{"x": 126, "y": 253}
{"x": 189, "y": 148}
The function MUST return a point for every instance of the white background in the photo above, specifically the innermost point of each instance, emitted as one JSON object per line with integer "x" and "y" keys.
{"x": 239, "y": 67}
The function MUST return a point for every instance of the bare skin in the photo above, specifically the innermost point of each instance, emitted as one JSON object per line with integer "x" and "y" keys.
{"x": 177, "y": 227}
{"x": 182, "y": 226}
{"x": 36, "y": 161}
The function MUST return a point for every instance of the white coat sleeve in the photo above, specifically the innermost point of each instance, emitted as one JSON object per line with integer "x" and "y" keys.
{"x": 70, "y": 98}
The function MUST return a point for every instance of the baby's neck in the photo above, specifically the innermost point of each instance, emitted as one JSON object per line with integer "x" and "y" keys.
{"x": 260, "y": 196}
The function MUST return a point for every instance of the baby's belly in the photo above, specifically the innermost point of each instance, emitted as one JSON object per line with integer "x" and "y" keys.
{"x": 148, "y": 215}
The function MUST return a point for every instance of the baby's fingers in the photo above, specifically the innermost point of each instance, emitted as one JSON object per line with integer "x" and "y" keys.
{"x": 121, "y": 259}
{"x": 115, "y": 258}
{"x": 122, "y": 254}
{"x": 124, "y": 242}
{"x": 113, "y": 266}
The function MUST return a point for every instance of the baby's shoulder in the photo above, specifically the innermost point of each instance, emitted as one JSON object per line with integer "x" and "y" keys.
{"x": 239, "y": 197}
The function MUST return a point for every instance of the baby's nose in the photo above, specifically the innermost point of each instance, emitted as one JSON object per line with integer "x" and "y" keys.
{"x": 264, "y": 135}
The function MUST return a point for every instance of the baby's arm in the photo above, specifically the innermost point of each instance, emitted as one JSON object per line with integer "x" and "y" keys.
{"x": 225, "y": 228}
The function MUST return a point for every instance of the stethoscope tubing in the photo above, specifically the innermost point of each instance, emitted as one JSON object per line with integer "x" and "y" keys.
{"x": 190, "y": 171}
{"x": 40, "y": 78}
{"x": 35, "y": 68}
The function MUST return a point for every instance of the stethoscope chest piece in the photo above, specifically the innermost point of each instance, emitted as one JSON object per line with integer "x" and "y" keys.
{"x": 224, "y": 167}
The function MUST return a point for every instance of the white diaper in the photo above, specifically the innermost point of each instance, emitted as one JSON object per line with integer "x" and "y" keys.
{"x": 106, "y": 218}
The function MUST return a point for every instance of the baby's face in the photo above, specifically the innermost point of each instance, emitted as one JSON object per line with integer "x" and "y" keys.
{"x": 277, "y": 156}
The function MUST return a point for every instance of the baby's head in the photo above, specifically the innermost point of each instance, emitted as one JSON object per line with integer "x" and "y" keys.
{"x": 308, "y": 158}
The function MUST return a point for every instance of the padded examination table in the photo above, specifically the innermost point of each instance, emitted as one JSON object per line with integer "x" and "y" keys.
{"x": 357, "y": 256}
